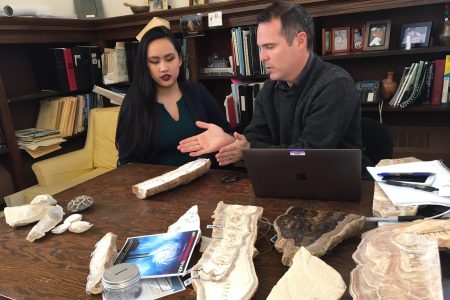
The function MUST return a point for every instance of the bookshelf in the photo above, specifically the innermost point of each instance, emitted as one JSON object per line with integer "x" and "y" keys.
{"x": 19, "y": 94}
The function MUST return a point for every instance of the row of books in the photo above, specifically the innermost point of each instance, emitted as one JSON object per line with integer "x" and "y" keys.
{"x": 424, "y": 82}
{"x": 239, "y": 105}
{"x": 67, "y": 69}
{"x": 57, "y": 118}
{"x": 245, "y": 52}
{"x": 69, "y": 115}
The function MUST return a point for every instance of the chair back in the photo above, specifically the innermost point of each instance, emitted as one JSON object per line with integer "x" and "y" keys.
{"x": 376, "y": 140}
{"x": 101, "y": 137}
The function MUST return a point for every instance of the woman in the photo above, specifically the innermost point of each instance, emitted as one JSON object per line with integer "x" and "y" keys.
{"x": 160, "y": 109}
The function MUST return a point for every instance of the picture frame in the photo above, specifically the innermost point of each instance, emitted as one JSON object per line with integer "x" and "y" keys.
{"x": 192, "y": 25}
{"x": 419, "y": 34}
{"x": 357, "y": 33}
{"x": 197, "y": 2}
{"x": 326, "y": 41}
{"x": 340, "y": 39}
{"x": 377, "y": 35}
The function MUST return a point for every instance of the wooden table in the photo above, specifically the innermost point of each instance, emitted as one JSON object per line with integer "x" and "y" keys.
{"x": 56, "y": 266}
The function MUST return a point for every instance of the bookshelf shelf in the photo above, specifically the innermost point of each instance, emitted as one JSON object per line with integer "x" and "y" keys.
{"x": 382, "y": 53}
{"x": 243, "y": 78}
{"x": 35, "y": 96}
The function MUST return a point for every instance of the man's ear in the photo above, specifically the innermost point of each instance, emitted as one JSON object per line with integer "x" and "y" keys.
{"x": 301, "y": 39}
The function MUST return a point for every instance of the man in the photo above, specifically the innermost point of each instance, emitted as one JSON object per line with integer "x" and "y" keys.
{"x": 306, "y": 103}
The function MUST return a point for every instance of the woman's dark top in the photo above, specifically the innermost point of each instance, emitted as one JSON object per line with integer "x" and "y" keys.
{"x": 197, "y": 105}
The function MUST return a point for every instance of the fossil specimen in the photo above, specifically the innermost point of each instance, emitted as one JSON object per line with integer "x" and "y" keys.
{"x": 80, "y": 203}
{"x": 318, "y": 231}
{"x": 225, "y": 270}
{"x": 182, "y": 175}
{"x": 26, "y": 214}
{"x": 396, "y": 265}
{"x": 309, "y": 277}
{"x": 189, "y": 221}
{"x": 48, "y": 222}
{"x": 43, "y": 199}
{"x": 73, "y": 218}
{"x": 80, "y": 226}
{"x": 101, "y": 258}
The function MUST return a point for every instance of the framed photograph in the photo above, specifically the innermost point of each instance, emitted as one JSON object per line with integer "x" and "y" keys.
{"x": 418, "y": 33}
{"x": 357, "y": 34}
{"x": 158, "y": 4}
{"x": 192, "y": 25}
{"x": 377, "y": 35}
{"x": 340, "y": 39}
{"x": 326, "y": 41}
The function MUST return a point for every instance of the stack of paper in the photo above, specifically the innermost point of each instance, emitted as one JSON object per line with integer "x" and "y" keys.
{"x": 38, "y": 142}
{"x": 405, "y": 196}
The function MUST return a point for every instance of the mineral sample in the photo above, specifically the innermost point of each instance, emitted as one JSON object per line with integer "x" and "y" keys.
{"x": 80, "y": 203}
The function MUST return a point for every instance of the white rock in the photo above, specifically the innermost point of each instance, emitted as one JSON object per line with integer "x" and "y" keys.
{"x": 80, "y": 226}
{"x": 61, "y": 228}
{"x": 44, "y": 199}
{"x": 73, "y": 218}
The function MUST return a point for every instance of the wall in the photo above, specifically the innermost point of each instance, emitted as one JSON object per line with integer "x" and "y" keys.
{"x": 111, "y": 8}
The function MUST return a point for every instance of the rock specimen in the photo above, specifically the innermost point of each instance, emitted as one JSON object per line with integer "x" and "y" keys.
{"x": 309, "y": 277}
{"x": 189, "y": 221}
{"x": 48, "y": 222}
{"x": 44, "y": 199}
{"x": 80, "y": 226}
{"x": 225, "y": 270}
{"x": 318, "y": 231}
{"x": 382, "y": 206}
{"x": 80, "y": 203}
{"x": 101, "y": 258}
{"x": 437, "y": 230}
{"x": 26, "y": 214}
{"x": 396, "y": 265}
{"x": 182, "y": 175}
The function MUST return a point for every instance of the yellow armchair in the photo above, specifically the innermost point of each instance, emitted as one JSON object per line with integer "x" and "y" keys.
{"x": 98, "y": 156}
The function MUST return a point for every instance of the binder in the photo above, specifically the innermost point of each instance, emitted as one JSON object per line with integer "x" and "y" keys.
{"x": 88, "y": 67}
{"x": 50, "y": 69}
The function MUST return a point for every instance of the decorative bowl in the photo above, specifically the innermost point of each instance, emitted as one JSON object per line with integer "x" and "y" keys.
{"x": 139, "y": 9}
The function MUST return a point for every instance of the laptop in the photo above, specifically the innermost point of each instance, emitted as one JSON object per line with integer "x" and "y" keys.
{"x": 321, "y": 174}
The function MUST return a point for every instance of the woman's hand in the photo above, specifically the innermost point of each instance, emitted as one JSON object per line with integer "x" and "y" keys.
{"x": 211, "y": 140}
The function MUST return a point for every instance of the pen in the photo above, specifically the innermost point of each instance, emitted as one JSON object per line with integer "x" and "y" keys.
{"x": 393, "y": 219}
{"x": 414, "y": 174}
{"x": 425, "y": 188}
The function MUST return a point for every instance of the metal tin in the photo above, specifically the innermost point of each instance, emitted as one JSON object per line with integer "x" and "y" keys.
{"x": 122, "y": 281}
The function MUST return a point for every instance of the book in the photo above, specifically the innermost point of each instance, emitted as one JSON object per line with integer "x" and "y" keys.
{"x": 446, "y": 83}
{"x": 426, "y": 99}
{"x": 68, "y": 59}
{"x": 438, "y": 79}
{"x": 159, "y": 255}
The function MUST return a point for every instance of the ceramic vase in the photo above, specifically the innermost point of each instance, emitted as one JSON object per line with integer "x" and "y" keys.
{"x": 444, "y": 36}
{"x": 388, "y": 86}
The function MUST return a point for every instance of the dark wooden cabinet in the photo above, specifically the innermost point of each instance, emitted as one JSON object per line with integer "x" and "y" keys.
{"x": 418, "y": 130}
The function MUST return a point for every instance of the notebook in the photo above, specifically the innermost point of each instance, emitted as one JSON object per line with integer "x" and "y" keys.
{"x": 322, "y": 174}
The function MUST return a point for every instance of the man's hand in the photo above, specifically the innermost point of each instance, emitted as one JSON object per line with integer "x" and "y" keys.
{"x": 211, "y": 140}
{"x": 233, "y": 152}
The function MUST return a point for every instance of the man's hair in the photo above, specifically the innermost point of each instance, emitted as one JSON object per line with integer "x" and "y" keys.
{"x": 293, "y": 17}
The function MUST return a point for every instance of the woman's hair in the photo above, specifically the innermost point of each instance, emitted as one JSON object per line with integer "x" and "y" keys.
{"x": 139, "y": 117}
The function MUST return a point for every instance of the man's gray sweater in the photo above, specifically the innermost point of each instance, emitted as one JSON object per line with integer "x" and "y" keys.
{"x": 320, "y": 110}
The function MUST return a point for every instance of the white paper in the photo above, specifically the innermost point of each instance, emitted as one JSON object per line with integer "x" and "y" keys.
{"x": 33, "y": 10}
{"x": 405, "y": 196}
